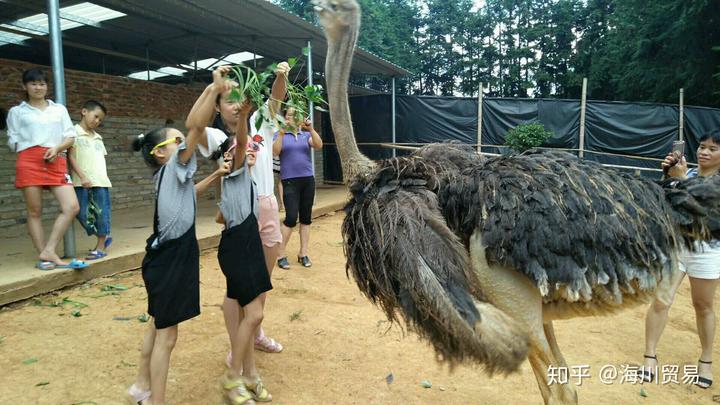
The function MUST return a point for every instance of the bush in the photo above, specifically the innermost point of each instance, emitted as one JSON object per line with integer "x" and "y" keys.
{"x": 527, "y": 136}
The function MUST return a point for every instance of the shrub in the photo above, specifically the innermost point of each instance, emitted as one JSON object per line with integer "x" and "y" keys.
{"x": 527, "y": 136}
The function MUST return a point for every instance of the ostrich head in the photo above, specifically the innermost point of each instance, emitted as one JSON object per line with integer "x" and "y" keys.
{"x": 337, "y": 15}
{"x": 341, "y": 22}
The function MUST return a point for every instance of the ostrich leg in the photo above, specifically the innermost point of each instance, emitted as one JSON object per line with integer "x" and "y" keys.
{"x": 514, "y": 294}
{"x": 550, "y": 336}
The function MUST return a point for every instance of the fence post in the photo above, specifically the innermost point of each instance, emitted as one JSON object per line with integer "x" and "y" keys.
{"x": 582, "y": 118}
{"x": 681, "y": 132}
{"x": 394, "y": 135}
{"x": 479, "y": 128}
{"x": 311, "y": 106}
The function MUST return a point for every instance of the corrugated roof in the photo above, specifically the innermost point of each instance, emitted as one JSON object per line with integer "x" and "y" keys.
{"x": 170, "y": 34}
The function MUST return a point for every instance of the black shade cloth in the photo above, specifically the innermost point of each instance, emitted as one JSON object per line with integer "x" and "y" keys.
{"x": 638, "y": 129}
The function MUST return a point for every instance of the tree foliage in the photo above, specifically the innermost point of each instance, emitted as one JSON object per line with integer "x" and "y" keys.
{"x": 628, "y": 49}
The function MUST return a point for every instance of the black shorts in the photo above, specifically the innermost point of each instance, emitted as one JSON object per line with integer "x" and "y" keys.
{"x": 298, "y": 198}
{"x": 242, "y": 261}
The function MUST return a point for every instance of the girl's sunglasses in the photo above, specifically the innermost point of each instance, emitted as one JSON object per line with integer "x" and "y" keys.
{"x": 178, "y": 140}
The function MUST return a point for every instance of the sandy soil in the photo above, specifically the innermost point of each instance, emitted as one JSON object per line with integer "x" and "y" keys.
{"x": 338, "y": 347}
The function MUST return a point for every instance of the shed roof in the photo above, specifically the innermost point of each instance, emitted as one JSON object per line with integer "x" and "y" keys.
{"x": 167, "y": 37}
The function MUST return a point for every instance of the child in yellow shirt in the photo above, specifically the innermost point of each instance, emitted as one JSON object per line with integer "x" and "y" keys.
{"x": 89, "y": 175}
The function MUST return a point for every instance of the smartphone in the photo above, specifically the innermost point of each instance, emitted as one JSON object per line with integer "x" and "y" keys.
{"x": 678, "y": 149}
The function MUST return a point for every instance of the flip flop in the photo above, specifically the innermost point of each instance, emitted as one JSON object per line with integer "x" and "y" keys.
{"x": 45, "y": 265}
{"x": 74, "y": 264}
{"x": 95, "y": 254}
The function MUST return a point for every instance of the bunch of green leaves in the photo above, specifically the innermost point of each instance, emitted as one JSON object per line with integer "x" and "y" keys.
{"x": 251, "y": 85}
{"x": 527, "y": 136}
{"x": 299, "y": 97}
{"x": 254, "y": 86}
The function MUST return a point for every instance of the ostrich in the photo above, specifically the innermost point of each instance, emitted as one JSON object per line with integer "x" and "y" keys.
{"x": 479, "y": 256}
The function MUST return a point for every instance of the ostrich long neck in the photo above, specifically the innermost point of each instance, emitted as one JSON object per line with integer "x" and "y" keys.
{"x": 341, "y": 45}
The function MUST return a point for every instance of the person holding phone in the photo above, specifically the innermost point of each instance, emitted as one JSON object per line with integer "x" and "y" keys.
{"x": 702, "y": 267}
{"x": 292, "y": 145}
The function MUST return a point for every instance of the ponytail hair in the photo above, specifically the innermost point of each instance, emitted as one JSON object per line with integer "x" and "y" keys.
{"x": 144, "y": 143}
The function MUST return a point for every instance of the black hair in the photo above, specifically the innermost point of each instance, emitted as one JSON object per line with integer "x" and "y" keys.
{"x": 711, "y": 136}
{"x": 34, "y": 74}
{"x": 144, "y": 143}
{"x": 92, "y": 104}
{"x": 227, "y": 143}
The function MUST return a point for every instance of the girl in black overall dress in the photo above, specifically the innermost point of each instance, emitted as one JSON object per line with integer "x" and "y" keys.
{"x": 242, "y": 261}
{"x": 171, "y": 265}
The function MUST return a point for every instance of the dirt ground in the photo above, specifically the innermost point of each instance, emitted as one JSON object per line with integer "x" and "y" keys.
{"x": 338, "y": 348}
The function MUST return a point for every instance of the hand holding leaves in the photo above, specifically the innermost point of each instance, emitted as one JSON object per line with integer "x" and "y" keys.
{"x": 220, "y": 80}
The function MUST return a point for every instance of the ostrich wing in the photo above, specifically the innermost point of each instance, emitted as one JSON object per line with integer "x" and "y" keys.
{"x": 406, "y": 260}
{"x": 580, "y": 231}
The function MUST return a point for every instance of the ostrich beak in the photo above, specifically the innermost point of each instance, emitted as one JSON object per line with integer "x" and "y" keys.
{"x": 321, "y": 6}
{"x": 318, "y": 5}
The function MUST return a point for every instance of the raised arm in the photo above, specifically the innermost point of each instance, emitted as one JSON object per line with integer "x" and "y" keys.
{"x": 241, "y": 134}
{"x": 315, "y": 141}
{"x": 202, "y": 112}
{"x": 279, "y": 87}
{"x": 205, "y": 183}
{"x": 204, "y": 108}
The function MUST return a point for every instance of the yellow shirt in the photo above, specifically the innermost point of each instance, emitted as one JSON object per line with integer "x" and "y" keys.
{"x": 90, "y": 157}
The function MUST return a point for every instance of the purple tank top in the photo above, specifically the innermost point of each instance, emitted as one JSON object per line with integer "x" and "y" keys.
{"x": 295, "y": 160}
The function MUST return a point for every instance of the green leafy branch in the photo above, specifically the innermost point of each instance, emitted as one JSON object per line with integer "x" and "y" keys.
{"x": 253, "y": 86}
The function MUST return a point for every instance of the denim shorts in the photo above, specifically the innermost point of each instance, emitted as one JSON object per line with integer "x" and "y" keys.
{"x": 95, "y": 208}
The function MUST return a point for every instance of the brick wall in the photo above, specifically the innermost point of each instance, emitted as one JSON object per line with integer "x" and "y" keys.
{"x": 134, "y": 106}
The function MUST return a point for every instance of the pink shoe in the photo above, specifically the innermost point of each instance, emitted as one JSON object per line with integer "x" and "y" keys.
{"x": 137, "y": 395}
{"x": 268, "y": 345}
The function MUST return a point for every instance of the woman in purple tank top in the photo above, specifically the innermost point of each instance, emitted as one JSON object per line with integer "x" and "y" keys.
{"x": 293, "y": 146}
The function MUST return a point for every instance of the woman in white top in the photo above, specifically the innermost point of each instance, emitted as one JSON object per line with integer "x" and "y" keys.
{"x": 40, "y": 132}
{"x": 217, "y": 141}
{"x": 701, "y": 266}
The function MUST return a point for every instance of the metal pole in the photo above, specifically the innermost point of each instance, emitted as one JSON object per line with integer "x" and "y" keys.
{"x": 582, "y": 118}
{"x": 479, "y": 128}
{"x": 311, "y": 107}
{"x": 147, "y": 61}
{"x": 394, "y": 153}
{"x": 681, "y": 132}
{"x": 56, "y": 54}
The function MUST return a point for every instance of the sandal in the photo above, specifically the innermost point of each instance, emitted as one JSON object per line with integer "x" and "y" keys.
{"x": 267, "y": 345}
{"x": 137, "y": 395}
{"x": 703, "y": 382}
{"x": 95, "y": 254}
{"x": 236, "y": 393}
{"x": 305, "y": 261}
{"x": 45, "y": 265}
{"x": 647, "y": 375}
{"x": 74, "y": 264}
{"x": 283, "y": 263}
{"x": 258, "y": 391}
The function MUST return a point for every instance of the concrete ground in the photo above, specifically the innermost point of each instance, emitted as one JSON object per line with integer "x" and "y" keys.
{"x": 19, "y": 279}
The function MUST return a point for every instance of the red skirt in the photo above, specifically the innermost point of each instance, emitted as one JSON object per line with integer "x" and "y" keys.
{"x": 31, "y": 169}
